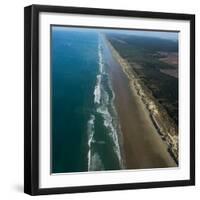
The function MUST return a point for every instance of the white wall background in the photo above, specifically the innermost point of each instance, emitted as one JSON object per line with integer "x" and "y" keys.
{"x": 11, "y": 99}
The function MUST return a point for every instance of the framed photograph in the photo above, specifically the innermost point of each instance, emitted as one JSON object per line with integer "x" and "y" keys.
{"x": 109, "y": 99}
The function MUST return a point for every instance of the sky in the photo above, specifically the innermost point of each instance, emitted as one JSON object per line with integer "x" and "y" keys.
{"x": 158, "y": 34}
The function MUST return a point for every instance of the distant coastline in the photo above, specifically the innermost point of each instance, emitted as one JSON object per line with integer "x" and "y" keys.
{"x": 167, "y": 131}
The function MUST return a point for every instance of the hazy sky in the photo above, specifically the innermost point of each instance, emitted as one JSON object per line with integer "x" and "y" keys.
{"x": 162, "y": 34}
{"x": 158, "y": 34}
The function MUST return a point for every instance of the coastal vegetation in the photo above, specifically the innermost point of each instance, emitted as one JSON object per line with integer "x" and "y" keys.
{"x": 144, "y": 54}
{"x": 143, "y": 60}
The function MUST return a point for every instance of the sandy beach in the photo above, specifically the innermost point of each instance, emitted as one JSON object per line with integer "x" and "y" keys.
{"x": 143, "y": 146}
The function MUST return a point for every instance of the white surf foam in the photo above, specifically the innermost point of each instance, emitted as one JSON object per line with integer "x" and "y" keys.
{"x": 96, "y": 162}
{"x": 112, "y": 131}
{"x": 97, "y": 90}
{"x": 90, "y": 132}
{"x": 103, "y": 101}
{"x": 117, "y": 126}
{"x": 109, "y": 122}
{"x": 100, "y": 59}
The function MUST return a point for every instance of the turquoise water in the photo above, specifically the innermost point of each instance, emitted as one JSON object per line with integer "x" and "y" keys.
{"x": 85, "y": 128}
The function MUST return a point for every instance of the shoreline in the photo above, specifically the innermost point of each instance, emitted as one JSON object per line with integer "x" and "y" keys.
{"x": 140, "y": 134}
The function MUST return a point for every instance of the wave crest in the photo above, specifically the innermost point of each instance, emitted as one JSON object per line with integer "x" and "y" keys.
{"x": 104, "y": 102}
{"x": 90, "y": 131}
{"x": 97, "y": 90}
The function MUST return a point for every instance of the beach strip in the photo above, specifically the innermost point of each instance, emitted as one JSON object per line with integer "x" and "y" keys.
{"x": 143, "y": 146}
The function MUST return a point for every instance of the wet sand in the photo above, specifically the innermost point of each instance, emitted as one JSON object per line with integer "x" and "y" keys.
{"x": 143, "y": 147}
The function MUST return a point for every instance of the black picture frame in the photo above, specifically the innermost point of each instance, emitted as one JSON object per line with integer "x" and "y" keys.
{"x": 31, "y": 98}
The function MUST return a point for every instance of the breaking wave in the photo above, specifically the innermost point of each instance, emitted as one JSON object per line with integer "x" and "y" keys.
{"x": 104, "y": 102}
{"x": 97, "y": 90}
{"x": 90, "y": 131}
{"x": 108, "y": 112}
{"x": 96, "y": 162}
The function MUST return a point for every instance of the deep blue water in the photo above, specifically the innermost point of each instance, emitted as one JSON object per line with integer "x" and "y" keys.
{"x": 84, "y": 120}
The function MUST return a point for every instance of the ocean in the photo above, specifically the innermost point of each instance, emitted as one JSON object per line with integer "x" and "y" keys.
{"x": 85, "y": 130}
